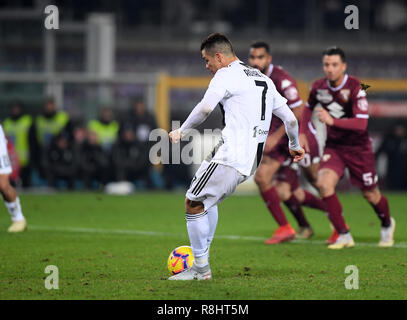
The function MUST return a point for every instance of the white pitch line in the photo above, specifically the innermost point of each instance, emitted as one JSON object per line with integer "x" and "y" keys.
{"x": 402, "y": 245}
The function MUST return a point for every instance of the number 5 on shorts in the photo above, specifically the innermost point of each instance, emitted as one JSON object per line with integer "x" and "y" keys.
{"x": 368, "y": 179}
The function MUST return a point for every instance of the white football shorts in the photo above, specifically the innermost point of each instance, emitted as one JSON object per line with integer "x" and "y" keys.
{"x": 5, "y": 166}
{"x": 213, "y": 182}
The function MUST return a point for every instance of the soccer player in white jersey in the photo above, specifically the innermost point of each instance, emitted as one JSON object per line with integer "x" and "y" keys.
{"x": 9, "y": 194}
{"x": 248, "y": 99}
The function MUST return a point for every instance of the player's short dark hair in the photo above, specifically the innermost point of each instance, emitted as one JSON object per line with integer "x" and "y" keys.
{"x": 217, "y": 42}
{"x": 335, "y": 51}
{"x": 261, "y": 44}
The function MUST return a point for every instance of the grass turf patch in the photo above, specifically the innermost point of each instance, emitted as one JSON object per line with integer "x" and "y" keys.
{"x": 111, "y": 247}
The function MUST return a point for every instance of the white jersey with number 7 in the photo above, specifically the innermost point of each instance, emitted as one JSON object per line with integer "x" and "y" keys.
{"x": 248, "y": 100}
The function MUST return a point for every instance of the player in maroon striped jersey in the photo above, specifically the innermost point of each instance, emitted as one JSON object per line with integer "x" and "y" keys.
{"x": 276, "y": 160}
{"x": 340, "y": 103}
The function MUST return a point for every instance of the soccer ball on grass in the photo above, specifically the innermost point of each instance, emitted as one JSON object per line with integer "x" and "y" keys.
{"x": 180, "y": 259}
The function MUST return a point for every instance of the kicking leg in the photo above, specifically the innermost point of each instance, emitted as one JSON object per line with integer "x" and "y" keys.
{"x": 213, "y": 221}
{"x": 198, "y": 230}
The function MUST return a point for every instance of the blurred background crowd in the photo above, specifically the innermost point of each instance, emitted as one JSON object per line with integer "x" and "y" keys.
{"x": 51, "y": 149}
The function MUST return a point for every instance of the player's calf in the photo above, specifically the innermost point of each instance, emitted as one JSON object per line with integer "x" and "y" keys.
{"x": 325, "y": 188}
{"x": 263, "y": 180}
{"x": 311, "y": 173}
{"x": 380, "y": 205}
{"x": 372, "y": 196}
{"x": 265, "y": 173}
{"x": 8, "y": 192}
{"x": 198, "y": 227}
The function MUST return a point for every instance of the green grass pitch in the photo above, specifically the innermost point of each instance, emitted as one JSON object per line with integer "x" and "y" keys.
{"x": 114, "y": 247}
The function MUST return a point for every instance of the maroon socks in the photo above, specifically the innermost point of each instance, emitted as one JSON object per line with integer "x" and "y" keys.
{"x": 295, "y": 207}
{"x": 313, "y": 202}
{"x": 382, "y": 211}
{"x": 334, "y": 209}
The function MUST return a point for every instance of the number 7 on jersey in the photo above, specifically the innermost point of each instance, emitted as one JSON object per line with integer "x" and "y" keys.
{"x": 263, "y": 97}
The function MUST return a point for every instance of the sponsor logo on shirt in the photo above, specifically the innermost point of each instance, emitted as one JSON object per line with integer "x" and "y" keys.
{"x": 361, "y": 94}
{"x": 291, "y": 93}
{"x": 252, "y": 73}
{"x": 324, "y": 96}
{"x": 363, "y": 105}
{"x": 259, "y": 132}
{"x": 345, "y": 93}
{"x": 335, "y": 110}
{"x": 285, "y": 84}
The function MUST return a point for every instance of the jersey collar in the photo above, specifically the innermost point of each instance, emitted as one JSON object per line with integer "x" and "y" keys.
{"x": 345, "y": 78}
{"x": 270, "y": 70}
{"x": 234, "y": 62}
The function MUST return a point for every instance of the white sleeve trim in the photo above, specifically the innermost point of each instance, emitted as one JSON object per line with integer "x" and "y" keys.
{"x": 296, "y": 104}
{"x": 311, "y": 128}
{"x": 362, "y": 116}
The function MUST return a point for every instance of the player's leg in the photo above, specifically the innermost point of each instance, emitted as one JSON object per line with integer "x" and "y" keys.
{"x": 263, "y": 178}
{"x": 198, "y": 232}
{"x": 213, "y": 222}
{"x": 7, "y": 191}
{"x": 283, "y": 189}
{"x": 304, "y": 228}
{"x": 197, "y": 218}
{"x": 363, "y": 174}
{"x": 13, "y": 205}
{"x": 212, "y": 183}
{"x": 310, "y": 168}
{"x": 381, "y": 206}
{"x": 309, "y": 200}
{"x": 311, "y": 173}
{"x": 327, "y": 181}
{"x": 286, "y": 181}
{"x": 331, "y": 169}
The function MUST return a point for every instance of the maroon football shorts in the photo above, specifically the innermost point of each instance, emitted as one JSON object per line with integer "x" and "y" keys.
{"x": 280, "y": 152}
{"x": 288, "y": 172}
{"x": 359, "y": 160}
{"x": 312, "y": 156}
